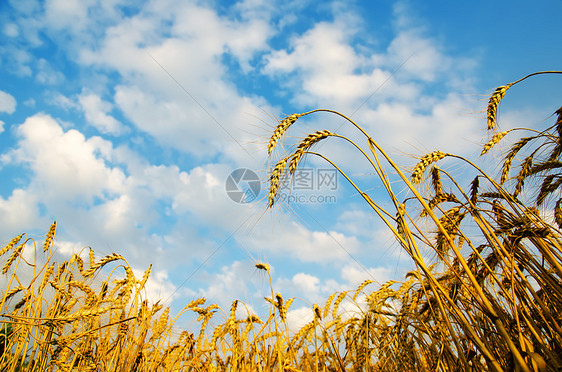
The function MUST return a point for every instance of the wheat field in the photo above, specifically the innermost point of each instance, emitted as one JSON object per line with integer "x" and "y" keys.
{"x": 491, "y": 299}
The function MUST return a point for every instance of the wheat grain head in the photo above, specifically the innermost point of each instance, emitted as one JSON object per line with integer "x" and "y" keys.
{"x": 11, "y": 244}
{"x": 275, "y": 180}
{"x": 280, "y": 130}
{"x": 424, "y": 162}
{"x": 493, "y": 104}
{"x": 306, "y": 144}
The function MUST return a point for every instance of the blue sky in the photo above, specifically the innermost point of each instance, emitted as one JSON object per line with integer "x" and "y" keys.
{"x": 123, "y": 119}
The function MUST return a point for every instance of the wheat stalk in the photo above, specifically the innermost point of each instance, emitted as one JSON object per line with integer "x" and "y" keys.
{"x": 262, "y": 266}
{"x": 496, "y": 138}
{"x": 9, "y": 294}
{"x": 279, "y": 305}
{"x": 511, "y": 155}
{"x": 523, "y": 174}
{"x": 493, "y": 104}
{"x": 50, "y": 236}
{"x": 286, "y": 307}
{"x": 474, "y": 186}
{"x": 145, "y": 277}
{"x": 361, "y": 287}
{"x": 280, "y": 130}
{"x": 438, "y": 199}
{"x": 328, "y": 304}
{"x": 424, "y": 162}
{"x": 316, "y": 311}
{"x": 548, "y": 186}
{"x": 436, "y": 180}
{"x": 13, "y": 257}
{"x": 337, "y": 303}
{"x": 275, "y": 180}
{"x": 306, "y": 144}
{"x": 195, "y": 303}
{"x": 558, "y": 213}
{"x": 160, "y": 325}
{"x": 11, "y": 244}
{"x": 104, "y": 261}
{"x": 499, "y": 93}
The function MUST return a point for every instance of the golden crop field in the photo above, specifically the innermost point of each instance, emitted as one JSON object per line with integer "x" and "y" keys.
{"x": 490, "y": 299}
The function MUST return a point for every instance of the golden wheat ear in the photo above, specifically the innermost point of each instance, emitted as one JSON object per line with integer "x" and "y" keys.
{"x": 275, "y": 180}
{"x": 494, "y": 141}
{"x": 499, "y": 93}
{"x": 262, "y": 266}
{"x": 50, "y": 236}
{"x": 426, "y": 161}
{"x": 494, "y": 103}
{"x": 306, "y": 144}
{"x": 11, "y": 244}
{"x": 280, "y": 130}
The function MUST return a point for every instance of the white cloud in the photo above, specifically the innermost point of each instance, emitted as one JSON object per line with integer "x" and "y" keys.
{"x": 412, "y": 77}
{"x": 355, "y": 275}
{"x": 72, "y": 14}
{"x": 46, "y": 74}
{"x": 212, "y": 112}
{"x": 446, "y": 127}
{"x": 68, "y": 248}
{"x": 229, "y": 284}
{"x": 299, "y": 317}
{"x": 159, "y": 287}
{"x": 171, "y": 122}
{"x": 18, "y": 61}
{"x": 96, "y": 112}
{"x": 65, "y": 163}
{"x": 29, "y": 102}
{"x": 306, "y": 282}
{"x": 421, "y": 56}
{"x": 307, "y": 287}
{"x": 325, "y": 42}
{"x": 75, "y": 179}
{"x": 19, "y": 211}
{"x": 7, "y": 103}
{"x": 57, "y": 99}
{"x": 11, "y": 30}
{"x": 332, "y": 80}
{"x": 293, "y": 240}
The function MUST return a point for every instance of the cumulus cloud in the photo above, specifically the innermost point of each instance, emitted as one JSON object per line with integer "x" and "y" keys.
{"x": 228, "y": 282}
{"x": 11, "y": 30}
{"x": 19, "y": 211}
{"x": 401, "y": 93}
{"x": 299, "y": 317}
{"x": 107, "y": 197}
{"x": 96, "y": 112}
{"x": 294, "y": 240}
{"x": 307, "y": 282}
{"x": 46, "y": 74}
{"x": 71, "y": 14}
{"x": 7, "y": 103}
{"x": 159, "y": 287}
{"x": 188, "y": 49}
{"x": 355, "y": 276}
{"x": 333, "y": 80}
{"x": 65, "y": 163}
